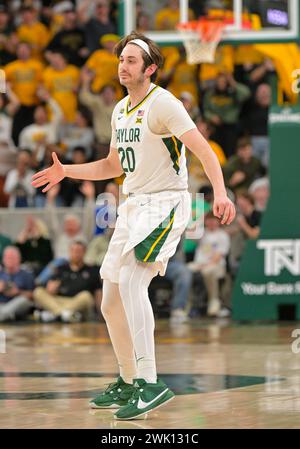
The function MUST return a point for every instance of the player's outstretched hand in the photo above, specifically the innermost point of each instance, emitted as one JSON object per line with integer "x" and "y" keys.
{"x": 49, "y": 176}
{"x": 224, "y": 209}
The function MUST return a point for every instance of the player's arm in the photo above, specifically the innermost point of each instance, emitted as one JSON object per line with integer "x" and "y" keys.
{"x": 170, "y": 113}
{"x": 195, "y": 142}
{"x": 91, "y": 171}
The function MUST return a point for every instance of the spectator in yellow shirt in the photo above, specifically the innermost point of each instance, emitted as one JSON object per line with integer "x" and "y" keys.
{"x": 168, "y": 17}
{"x": 61, "y": 80}
{"x": 104, "y": 64}
{"x": 24, "y": 76}
{"x": 33, "y": 31}
{"x": 197, "y": 176}
{"x": 224, "y": 62}
{"x": 177, "y": 75}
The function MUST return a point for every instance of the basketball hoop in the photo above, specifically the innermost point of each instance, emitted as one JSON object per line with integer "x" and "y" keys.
{"x": 200, "y": 39}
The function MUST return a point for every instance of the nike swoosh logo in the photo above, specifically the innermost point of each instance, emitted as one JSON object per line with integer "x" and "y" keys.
{"x": 144, "y": 204}
{"x": 141, "y": 404}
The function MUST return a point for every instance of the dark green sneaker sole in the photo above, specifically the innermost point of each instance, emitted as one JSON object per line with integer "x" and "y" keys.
{"x": 167, "y": 398}
{"x": 112, "y": 406}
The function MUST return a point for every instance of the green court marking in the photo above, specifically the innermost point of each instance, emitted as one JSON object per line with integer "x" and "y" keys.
{"x": 181, "y": 384}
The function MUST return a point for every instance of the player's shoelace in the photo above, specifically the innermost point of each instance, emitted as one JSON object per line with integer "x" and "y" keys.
{"x": 111, "y": 387}
{"x": 135, "y": 395}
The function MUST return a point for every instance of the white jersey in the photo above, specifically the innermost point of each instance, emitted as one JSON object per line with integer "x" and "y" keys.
{"x": 151, "y": 162}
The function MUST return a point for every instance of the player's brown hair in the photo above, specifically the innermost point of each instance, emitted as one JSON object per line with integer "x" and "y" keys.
{"x": 156, "y": 56}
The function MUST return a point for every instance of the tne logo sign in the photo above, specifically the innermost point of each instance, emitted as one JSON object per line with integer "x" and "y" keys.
{"x": 279, "y": 255}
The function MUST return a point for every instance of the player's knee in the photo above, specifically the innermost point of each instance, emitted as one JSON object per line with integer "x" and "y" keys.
{"x": 126, "y": 278}
{"x": 106, "y": 309}
{"x": 110, "y": 306}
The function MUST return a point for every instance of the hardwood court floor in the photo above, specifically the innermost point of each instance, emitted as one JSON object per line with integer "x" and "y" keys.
{"x": 225, "y": 375}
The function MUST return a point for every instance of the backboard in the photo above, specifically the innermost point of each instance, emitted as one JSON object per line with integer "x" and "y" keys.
{"x": 270, "y": 20}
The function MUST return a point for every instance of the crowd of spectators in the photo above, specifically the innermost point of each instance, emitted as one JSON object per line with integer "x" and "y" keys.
{"x": 62, "y": 86}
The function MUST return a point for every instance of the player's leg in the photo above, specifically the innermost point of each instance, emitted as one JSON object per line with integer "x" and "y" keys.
{"x": 119, "y": 392}
{"x": 134, "y": 281}
{"x": 150, "y": 392}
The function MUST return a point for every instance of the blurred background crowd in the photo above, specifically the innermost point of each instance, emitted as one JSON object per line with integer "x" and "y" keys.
{"x": 61, "y": 88}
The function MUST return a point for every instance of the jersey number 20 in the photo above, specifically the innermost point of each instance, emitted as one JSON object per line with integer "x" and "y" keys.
{"x": 127, "y": 159}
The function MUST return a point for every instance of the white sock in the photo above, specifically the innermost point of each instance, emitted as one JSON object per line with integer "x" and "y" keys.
{"x": 134, "y": 281}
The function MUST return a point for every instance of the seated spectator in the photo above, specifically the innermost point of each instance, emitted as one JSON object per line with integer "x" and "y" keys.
{"x": 260, "y": 191}
{"x": 243, "y": 168}
{"x": 249, "y": 218}
{"x": 181, "y": 278}
{"x": 71, "y": 231}
{"x": 210, "y": 260}
{"x": 222, "y": 106}
{"x": 69, "y": 293}
{"x": 43, "y": 131}
{"x": 16, "y": 286}
{"x": 18, "y": 182}
{"x": 97, "y": 249}
{"x": 246, "y": 226}
{"x": 78, "y": 134}
{"x": 34, "y": 245}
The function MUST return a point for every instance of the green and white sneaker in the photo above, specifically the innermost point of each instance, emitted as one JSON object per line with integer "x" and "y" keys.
{"x": 145, "y": 398}
{"x": 116, "y": 394}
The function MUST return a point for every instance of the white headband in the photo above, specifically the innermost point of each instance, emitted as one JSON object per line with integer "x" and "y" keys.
{"x": 141, "y": 44}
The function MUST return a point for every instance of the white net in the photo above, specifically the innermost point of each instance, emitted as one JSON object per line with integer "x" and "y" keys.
{"x": 201, "y": 44}
{"x": 198, "y": 52}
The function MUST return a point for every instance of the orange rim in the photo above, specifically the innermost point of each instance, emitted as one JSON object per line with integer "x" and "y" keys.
{"x": 210, "y": 30}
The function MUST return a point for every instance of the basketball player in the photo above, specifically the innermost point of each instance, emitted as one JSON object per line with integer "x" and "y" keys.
{"x": 150, "y": 129}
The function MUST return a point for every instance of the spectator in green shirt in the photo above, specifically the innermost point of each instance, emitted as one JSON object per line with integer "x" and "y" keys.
{"x": 243, "y": 168}
{"x": 222, "y": 106}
